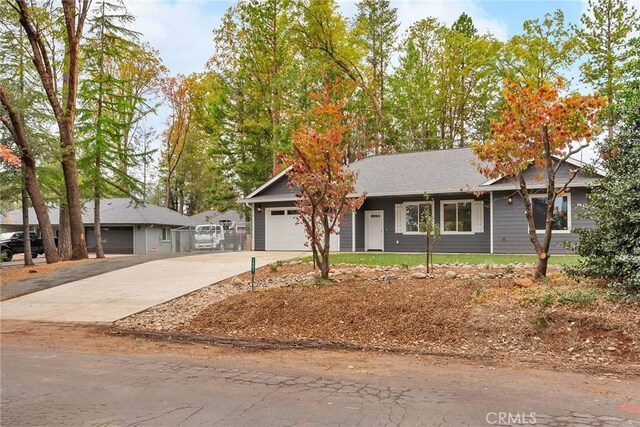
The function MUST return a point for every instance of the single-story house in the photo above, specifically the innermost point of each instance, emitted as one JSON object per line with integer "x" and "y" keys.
{"x": 130, "y": 228}
{"x": 474, "y": 214}
{"x": 127, "y": 228}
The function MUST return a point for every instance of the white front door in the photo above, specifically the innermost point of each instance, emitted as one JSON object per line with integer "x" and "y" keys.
{"x": 374, "y": 230}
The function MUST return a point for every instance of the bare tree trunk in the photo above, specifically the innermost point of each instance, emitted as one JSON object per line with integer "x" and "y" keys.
{"x": 541, "y": 266}
{"x": 64, "y": 107}
{"x": 42, "y": 213}
{"x": 97, "y": 231}
{"x": 25, "y": 221}
{"x": 74, "y": 203}
{"x": 167, "y": 192}
{"x": 16, "y": 127}
{"x": 324, "y": 262}
{"x": 64, "y": 234}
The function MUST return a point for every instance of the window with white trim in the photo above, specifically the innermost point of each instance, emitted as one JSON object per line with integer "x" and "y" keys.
{"x": 166, "y": 234}
{"x": 461, "y": 216}
{"x": 561, "y": 212}
{"x": 414, "y": 213}
{"x": 456, "y": 217}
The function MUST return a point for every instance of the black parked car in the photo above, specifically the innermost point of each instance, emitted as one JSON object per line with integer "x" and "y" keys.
{"x": 13, "y": 243}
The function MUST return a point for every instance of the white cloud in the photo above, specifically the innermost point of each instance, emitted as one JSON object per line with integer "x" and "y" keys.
{"x": 447, "y": 11}
{"x": 180, "y": 30}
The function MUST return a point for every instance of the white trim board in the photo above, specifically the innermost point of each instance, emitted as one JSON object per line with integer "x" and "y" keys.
{"x": 544, "y": 196}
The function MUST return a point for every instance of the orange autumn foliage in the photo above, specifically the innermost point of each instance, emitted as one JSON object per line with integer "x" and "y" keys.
{"x": 318, "y": 170}
{"x": 535, "y": 124}
{"x": 8, "y": 157}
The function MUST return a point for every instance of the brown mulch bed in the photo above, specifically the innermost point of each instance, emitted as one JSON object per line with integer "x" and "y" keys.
{"x": 477, "y": 317}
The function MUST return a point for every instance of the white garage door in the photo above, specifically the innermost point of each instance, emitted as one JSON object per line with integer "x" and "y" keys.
{"x": 282, "y": 232}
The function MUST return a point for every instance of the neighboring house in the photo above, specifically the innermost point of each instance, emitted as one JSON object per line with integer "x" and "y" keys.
{"x": 474, "y": 214}
{"x": 127, "y": 228}
{"x": 230, "y": 218}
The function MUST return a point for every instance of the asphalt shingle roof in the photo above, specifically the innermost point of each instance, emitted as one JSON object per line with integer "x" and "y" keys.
{"x": 437, "y": 171}
{"x": 112, "y": 211}
{"x": 431, "y": 172}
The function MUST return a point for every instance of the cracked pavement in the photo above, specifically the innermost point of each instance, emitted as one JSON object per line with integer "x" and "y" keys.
{"x": 63, "y": 388}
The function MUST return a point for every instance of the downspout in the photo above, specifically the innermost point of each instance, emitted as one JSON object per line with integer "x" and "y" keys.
{"x": 491, "y": 220}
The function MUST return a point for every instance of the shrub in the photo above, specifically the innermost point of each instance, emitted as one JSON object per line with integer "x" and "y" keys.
{"x": 612, "y": 250}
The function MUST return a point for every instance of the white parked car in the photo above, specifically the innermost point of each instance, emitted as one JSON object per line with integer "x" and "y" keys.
{"x": 209, "y": 236}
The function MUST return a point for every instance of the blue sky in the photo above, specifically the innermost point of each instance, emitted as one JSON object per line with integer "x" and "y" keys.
{"x": 181, "y": 29}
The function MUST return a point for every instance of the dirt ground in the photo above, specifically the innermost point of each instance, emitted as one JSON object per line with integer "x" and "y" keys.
{"x": 485, "y": 317}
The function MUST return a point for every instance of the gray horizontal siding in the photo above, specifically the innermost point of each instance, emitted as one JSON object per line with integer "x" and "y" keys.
{"x": 346, "y": 229}
{"x": 397, "y": 242}
{"x": 564, "y": 174}
{"x": 280, "y": 186}
{"x": 511, "y": 229}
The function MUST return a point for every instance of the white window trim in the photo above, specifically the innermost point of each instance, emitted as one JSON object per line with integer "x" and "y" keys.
{"x": 162, "y": 234}
{"x": 404, "y": 212}
{"x": 456, "y": 202}
{"x": 544, "y": 196}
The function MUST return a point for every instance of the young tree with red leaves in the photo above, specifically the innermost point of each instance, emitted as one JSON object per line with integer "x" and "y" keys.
{"x": 319, "y": 171}
{"x": 538, "y": 128}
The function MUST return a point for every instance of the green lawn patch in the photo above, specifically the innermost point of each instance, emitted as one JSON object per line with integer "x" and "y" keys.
{"x": 416, "y": 259}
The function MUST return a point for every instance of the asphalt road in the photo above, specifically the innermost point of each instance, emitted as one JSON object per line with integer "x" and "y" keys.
{"x": 56, "y": 387}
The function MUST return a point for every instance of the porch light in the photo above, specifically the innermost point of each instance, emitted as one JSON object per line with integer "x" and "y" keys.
{"x": 259, "y": 209}
{"x": 510, "y": 200}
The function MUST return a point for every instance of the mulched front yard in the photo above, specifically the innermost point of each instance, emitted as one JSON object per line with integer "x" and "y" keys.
{"x": 493, "y": 316}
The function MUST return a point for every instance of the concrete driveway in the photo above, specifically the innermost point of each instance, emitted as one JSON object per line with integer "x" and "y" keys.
{"x": 112, "y": 296}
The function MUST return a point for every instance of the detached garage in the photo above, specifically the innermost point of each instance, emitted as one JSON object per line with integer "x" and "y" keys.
{"x": 127, "y": 227}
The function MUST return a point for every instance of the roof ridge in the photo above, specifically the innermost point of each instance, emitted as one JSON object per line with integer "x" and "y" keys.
{"x": 435, "y": 150}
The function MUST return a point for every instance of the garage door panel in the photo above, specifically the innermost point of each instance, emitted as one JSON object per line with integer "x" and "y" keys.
{"x": 283, "y": 233}
{"x": 115, "y": 240}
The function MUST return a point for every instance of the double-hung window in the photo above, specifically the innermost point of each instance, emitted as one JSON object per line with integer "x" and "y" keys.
{"x": 561, "y": 213}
